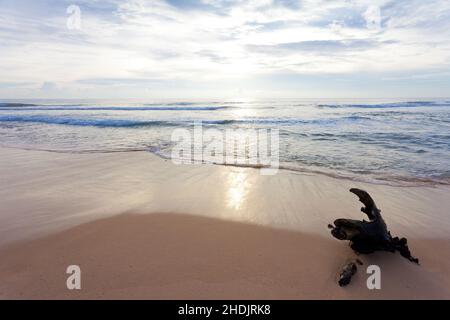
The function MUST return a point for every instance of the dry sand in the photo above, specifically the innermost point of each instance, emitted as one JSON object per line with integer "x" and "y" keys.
{"x": 174, "y": 256}
{"x": 201, "y": 231}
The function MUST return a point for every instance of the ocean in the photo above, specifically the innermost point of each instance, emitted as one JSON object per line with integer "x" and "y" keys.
{"x": 396, "y": 142}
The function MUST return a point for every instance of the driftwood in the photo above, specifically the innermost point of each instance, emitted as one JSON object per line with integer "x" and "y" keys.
{"x": 369, "y": 236}
{"x": 347, "y": 272}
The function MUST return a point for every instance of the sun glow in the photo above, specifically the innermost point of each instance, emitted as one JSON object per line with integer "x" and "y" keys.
{"x": 238, "y": 188}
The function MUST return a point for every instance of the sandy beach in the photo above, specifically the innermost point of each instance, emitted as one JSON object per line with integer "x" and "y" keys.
{"x": 225, "y": 150}
{"x": 142, "y": 227}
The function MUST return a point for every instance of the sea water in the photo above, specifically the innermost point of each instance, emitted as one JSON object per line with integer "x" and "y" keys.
{"x": 396, "y": 142}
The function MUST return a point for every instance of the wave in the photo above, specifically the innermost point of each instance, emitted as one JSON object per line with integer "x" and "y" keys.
{"x": 193, "y": 103}
{"x": 295, "y": 121}
{"x": 361, "y": 176}
{"x": 177, "y": 122}
{"x": 84, "y": 108}
{"x": 86, "y": 122}
{"x": 372, "y": 177}
{"x": 367, "y": 176}
{"x": 83, "y": 151}
{"x": 16, "y": 105}
{"x": 407, "y": 104}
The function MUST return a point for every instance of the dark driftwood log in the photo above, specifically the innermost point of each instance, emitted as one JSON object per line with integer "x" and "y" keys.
{"x": 369, "y": 236}
{"x": 347, "y": 272}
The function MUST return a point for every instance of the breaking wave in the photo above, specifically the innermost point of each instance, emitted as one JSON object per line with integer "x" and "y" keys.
{"x": 10, "y": 107}
{"x": 408, "y": 104}
{"x": 85, "y": 122}
{"x": 94, "y": 122}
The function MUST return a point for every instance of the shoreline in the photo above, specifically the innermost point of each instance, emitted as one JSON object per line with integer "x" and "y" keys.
{"x": 394, "y": 181}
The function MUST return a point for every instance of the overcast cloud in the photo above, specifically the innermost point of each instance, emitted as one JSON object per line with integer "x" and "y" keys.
{"x": 213, "y": 48}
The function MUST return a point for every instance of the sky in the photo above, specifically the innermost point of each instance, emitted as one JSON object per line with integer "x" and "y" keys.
{"x": 203, "y": 49}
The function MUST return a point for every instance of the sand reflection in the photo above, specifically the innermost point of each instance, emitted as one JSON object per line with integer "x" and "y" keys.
{"x": 237, "y": 189}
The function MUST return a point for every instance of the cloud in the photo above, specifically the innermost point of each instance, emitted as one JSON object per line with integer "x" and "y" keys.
{"x": 325, "y": 47}
{"x": 15, "y": 84}
{"x": 226, "y": 42}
